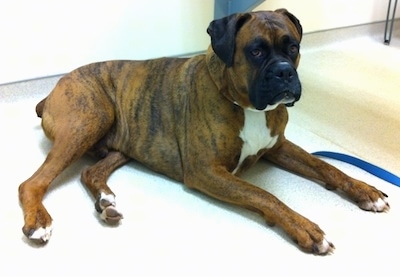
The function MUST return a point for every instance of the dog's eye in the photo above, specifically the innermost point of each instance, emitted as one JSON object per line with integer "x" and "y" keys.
{"x": 256, "y": 52}
{"x": 293, "y": 49}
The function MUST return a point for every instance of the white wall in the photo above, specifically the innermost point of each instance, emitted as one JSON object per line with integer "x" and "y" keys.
{"x": 41, "y": 37}
{"x": 316, "y": 15}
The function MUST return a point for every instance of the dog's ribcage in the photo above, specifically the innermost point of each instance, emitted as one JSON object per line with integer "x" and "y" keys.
{"x": 255, "y": 135}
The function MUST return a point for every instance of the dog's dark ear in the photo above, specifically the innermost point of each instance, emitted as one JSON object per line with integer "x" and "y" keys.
{"x": 294, "y": 19}
{"x": 223, "y": 33}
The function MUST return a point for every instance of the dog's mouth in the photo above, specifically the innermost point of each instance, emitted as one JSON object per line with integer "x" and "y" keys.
{"x": 285, "y": 97}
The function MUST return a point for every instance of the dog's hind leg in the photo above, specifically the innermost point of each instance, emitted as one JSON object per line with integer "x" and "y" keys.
{"x": 95, "y": 179}
{"x": 38, "y": 222}
{"x": 75, "y": 122}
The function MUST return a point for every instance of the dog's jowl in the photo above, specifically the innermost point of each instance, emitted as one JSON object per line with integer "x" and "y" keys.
{"x": 201, "y": 121}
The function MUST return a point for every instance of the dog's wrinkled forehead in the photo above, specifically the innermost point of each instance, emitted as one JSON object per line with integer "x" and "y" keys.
{"x": 223, "y": 31}
{"x": 276, "y": 23}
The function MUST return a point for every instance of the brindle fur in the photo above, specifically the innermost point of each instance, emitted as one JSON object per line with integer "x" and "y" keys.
{"x": 182, "y": 118}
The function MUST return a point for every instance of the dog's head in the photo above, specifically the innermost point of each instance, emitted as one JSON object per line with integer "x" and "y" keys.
{"x": 260, "y": 54}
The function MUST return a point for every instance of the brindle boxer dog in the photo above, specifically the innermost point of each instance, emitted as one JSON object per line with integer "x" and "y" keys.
{"x": 201, "y": 121}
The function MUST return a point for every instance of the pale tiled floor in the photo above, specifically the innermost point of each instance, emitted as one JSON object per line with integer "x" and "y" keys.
{"x": 351, "y": 104}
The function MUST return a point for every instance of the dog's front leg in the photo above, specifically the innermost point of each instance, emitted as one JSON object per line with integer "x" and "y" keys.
{"x": 297, "y": 160}
{"x": 221, "y": 184}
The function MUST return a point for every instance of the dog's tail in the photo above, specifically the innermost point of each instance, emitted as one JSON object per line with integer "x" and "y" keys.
{"x": 39, "y": 107}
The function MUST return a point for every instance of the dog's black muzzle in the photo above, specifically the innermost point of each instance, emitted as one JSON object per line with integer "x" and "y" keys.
{"x": 280, "y": 85}
{"x": 288, "y": 89}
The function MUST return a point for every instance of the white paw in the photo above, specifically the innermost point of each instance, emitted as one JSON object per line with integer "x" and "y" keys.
{"x": 325, "y": 247}
{"x": 106, "y": 200}
{"x": 381, "y": 205}
{"x": 42, "y": 234}
{"x": 106, "y": 207}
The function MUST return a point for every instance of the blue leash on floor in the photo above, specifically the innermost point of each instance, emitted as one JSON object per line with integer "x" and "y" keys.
{"x": 373, "y": 169}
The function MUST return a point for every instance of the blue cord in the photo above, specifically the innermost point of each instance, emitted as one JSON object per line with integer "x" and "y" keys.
{"x": 373, "y": 169}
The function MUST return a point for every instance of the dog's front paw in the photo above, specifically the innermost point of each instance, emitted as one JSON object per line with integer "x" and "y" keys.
{"x": 105, "y": 205}
{"x": 370, "y": 199}
{"x": 315, "y": 244}
{"x": 380, "y": 205}
{"x": 308, "y": 235}
{"x": 323, "y": 247}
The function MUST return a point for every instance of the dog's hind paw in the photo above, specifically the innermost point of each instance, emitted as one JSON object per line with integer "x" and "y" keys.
{"x": 105, "y": 205}
{"x": 38, "y": 223}
{"x": 41, "y": 235}
{"x": 111, "y": 215}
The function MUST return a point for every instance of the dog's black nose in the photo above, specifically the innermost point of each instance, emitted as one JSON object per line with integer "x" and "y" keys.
{"x": 284, "y": 71}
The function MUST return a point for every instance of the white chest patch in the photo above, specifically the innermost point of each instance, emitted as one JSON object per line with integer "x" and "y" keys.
{"x": 255, "y": 135}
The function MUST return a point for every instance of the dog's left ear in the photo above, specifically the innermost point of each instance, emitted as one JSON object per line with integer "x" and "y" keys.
{"x": 223, "y": 33}
{"x": 294, "y": 20}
